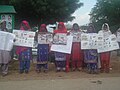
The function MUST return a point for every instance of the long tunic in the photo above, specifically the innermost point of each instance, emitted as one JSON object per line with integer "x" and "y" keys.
{"x": 43, "y": 52}
{"x": 90, "y": 56}
{"x": 77, "y": 53}
{"x": 26, "y": 55}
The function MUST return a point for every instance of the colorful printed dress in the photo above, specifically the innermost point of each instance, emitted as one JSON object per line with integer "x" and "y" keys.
{"x": 90, "y": 58}
{"x": 24, "y": 53}
{"x": 91, "y": 55}
{"x": 42, "y": 53}
{"x": 60, "y": 58}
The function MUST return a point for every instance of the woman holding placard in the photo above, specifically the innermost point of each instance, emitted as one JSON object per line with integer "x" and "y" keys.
{"x": 77, "y": 53}
{"x": 43, "y": 51}
{"x": 24, "y": 53}
{"x": 105, "y": 56}
{"x": 60, "y": 58}
{"x": 91, "y": 55}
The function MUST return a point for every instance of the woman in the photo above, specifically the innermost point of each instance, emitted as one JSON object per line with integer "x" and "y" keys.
{"x": 105, "y": 56}
{"x": 60, "y": 58}
{"x": 43, "y": 52}
{"x": 4, "y": 54}
{"x": 91, "y": 56}
{"x": 77, "y": 53}
{"x": 24, "y": 53}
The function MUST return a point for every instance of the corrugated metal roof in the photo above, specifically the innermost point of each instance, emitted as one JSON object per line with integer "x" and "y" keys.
{"x": 7, "y": 9}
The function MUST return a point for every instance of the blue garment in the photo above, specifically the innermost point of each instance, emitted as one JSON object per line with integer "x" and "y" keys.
{"x": 25, "y": 57}
{"x": 60, "y": 59}
{"x": 43, "y": 55}
{"x": 91, "y": 59}
{"x": 43, "y": 52}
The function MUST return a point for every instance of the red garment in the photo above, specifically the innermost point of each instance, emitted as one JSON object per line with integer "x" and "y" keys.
{"x": 43, "y": 28}
{"x": 61, "y": 30}
{"x": 77, "y": 55}
{"x": 105, "y": 61}
{"x": 19, "y": 49}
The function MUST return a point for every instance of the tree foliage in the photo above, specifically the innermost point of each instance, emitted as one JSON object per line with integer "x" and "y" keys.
{"x": 106, "y": 11}
{"x": 45, "y": 11}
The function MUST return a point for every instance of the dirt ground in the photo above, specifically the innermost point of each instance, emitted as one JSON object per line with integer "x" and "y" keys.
{"x": 32, "y": 75}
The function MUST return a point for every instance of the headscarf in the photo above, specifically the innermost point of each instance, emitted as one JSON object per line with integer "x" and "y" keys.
{"x": 89, "y": 29}
{"x": 61, "y": 30}
{"x": 20, "y": 49}
{"x": 26, "y": 24}
{"x": 105, "y": 24}
{"x": 73, "y": 27}
{"x": 41, "y": 28}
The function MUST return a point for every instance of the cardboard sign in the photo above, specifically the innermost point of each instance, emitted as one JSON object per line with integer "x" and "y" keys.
{"x": 24, "y": 38}
{"x": 45, "y": 38}
{"x": 76, "y": 36}
{"x": 118, "y": 36}
{"x": 6, "y": 40}
{"x": 107, "y": 44}
{"x": 89, "y": 41}
{"x": 60, "y": 39}
{"x": 63, "y": 48}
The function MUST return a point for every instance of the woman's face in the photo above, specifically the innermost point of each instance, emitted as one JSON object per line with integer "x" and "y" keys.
{"x": 25, "y": 27}
{"x": 105, "y": 28}
{"x": 75, "y": 27}
{"x": 60, "y": 26}
{"x": 43, "y": 29}
{"x": 90, "y": 29}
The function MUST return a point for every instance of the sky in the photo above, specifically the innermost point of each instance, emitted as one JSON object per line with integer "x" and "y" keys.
{"x": 82, "y": 14}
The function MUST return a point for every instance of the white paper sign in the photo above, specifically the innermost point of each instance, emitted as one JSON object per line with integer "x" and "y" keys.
{"x": 63, "y": 48}
{"x": 76, "y": 36}
{"x": 6, "y": 40}
{"x": 24, "y": 38}
{"x": 60, "y": 38}
{"x": 45, "y": 38}
{"x": 107, "y": 44}
{"x": 89, "y": 41}
{"x": 118, "y": 36}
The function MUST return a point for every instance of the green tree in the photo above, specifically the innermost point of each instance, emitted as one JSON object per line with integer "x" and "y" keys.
{"x": 45, "y": 11}
{"x": 106, "y": 11}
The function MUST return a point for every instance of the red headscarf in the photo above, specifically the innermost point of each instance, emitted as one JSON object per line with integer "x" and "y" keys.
{"x": 43, "y": 28}
{"x": 24, "y": 26}
{"x": 61, "y": 30}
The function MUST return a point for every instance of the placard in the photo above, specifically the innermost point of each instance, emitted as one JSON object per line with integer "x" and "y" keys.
{"x": 60, "y": 39}
{"x": 63, "y": 48}
{"x": 6, "y": 40}
{"x": 76, "y": 36}
{"x": 45, "y": 38}
{"x": 89, "y": 41}
{"x": 118, "y": 36}
{"x": 107, "y": 44}
{"x": 24, "y": 38}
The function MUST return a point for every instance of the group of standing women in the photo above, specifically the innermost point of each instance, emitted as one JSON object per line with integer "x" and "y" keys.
{"x": 79, "y": 58}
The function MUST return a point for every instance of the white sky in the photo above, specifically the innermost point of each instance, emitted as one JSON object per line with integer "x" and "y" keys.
{"x": 81, "y": 15}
